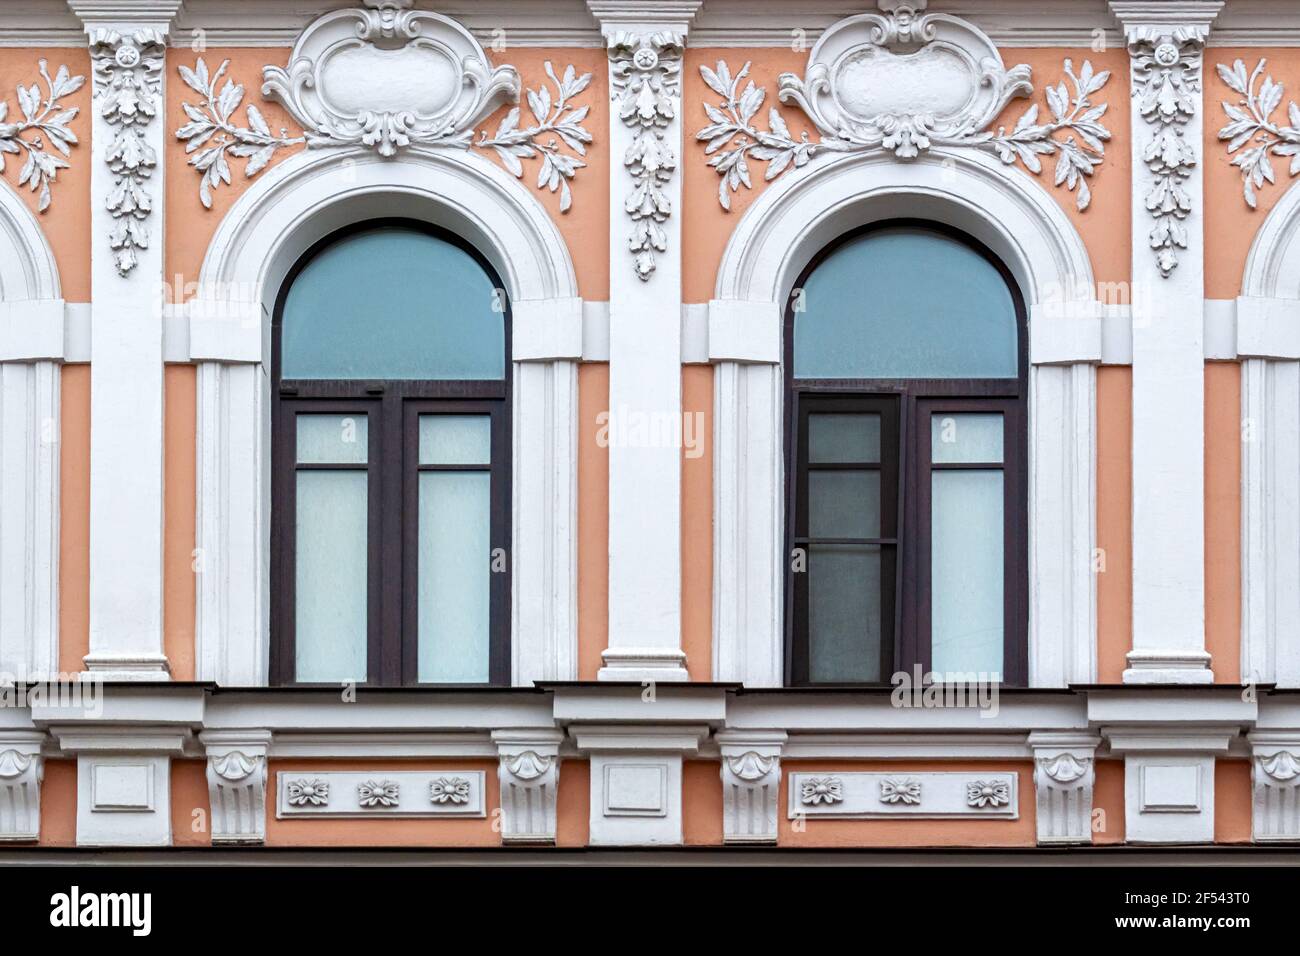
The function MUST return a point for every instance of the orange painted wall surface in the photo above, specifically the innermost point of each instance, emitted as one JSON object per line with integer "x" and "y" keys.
{"x": 190, "y": 227}
{"x": 573, "y": 804}
{"x": 66, "y": 223}
{"x": 1223, "y": 519}
{"x": 701, "y": 802}
{"x": 872, "y": 833}
{"x": 706, "y": 226}
{"x": 1108, "y": 798}
{"x": 191, "y": 812}
{"x": 1114, "y": 520}
{"x": 178, "y": 521}
{"x": 1232, "y": 801}
{"x": 697, "y": 522}
{"x": 59, "y": 804}
{"x": 1230, "y": 224}
{"x": 593, "y": 520}
{"x": 74, "y": 518}
{"x": 395, "y": 832}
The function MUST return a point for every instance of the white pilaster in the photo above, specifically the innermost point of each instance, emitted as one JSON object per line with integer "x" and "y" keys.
{"x": 1169, "y": 780}
{"x": 646, "y": 41}
{"x": 751, "y": 784}
{"x": 636, "y": 781}
{"x": 529, "y": 773}
{"x": 128, "y": 130}
{"x": 237, "y": 784}
{"x": 21, "y": 770}
{"x": 29, "y": 517}
{"x": 124, "y": 781}
{"x": 1165, "y": 42}
{"x": 1064, "y": 772}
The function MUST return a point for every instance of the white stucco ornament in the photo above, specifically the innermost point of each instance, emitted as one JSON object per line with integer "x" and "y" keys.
{"x": 905, "y": 82}
{"x": 388, "y": 77}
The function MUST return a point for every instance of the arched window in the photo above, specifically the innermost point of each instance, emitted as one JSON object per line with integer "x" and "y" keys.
{"x": 905, "y": 360}
{"x": 391, "y": 456}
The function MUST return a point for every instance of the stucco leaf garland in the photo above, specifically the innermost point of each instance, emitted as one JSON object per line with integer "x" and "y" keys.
{"x": 128, "y": 86}
{"x": 1072, "y": 114}
{"x": 645, "y": 75}
{"x": 44, "y": 122}
{"x": 1251, "y": 122}
{"x": 1074, "y": 133}
{"x": 1167, "y": 84}
{"x": 213, "y": 134}
{"x": 559, "y": 121}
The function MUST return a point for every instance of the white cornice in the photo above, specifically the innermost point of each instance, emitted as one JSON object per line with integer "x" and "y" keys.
{"x": 1138, "y": 15}
{"x": 116, "y": 14}
{"x": 719, "y": 23}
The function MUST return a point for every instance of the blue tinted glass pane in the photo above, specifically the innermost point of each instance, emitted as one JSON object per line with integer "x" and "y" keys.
{"x": 393, "y": 303}
{"x": 905, "y": 303}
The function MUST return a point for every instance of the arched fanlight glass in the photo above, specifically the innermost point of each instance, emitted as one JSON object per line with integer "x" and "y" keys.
{"x": 393, "y": 303}
{"x": 905, "y": 303}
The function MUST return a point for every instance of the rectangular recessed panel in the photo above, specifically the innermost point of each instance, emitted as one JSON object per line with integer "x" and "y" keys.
{"x": 1171, "y": 789}
{"x": 122, "y": 788}
{"x": 380, "y": 793}
{"x": 636, "y": 790}
{"x": 970, "y": 795}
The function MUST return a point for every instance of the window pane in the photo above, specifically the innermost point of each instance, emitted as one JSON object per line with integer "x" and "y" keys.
{"x": 455, "y": 439}
{"x": 393, "y": 303}
{"x": 333, "y": 439}
{"x": 974, "y": 437}
{"x": 966, "y": 571}
{"x": 330, "y": 584}
{"x": 844, "y": 504}
{"x": 843, "y": 437}
{"x": 454, "y": 570}
{"x": 844, "y": 583}
{"x": 938, "y": 309}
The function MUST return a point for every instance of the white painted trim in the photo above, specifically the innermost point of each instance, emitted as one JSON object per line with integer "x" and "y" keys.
{"x": 1221, "y": 330}
{"x": 31, "y": 334}
{"x": 292, "y": 205}
{"x": 778, "y": 235}
{"x": 231, "y": 563}
{"x": 544, "y": 330}
{"x": 1268, "y": 315}
{"x": 595, "y": 331}
{"x": 31, "y": 329}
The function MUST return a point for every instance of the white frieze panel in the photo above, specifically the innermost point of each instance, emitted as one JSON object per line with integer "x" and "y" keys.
{"x": 381, "y": 793}
{"x": 865, "y": 796}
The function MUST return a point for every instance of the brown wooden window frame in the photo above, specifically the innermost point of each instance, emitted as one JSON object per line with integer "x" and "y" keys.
{"x": 911, "y": 403}
{"x": 394, "y": 407}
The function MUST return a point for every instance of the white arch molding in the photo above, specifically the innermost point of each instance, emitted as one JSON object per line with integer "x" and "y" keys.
{"x": 1268, "y": 342}
{"x": 778, "y": 235}
{"x": 293, "y": 205}
{"x": 31, "y": 352}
